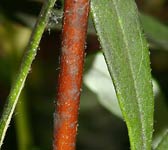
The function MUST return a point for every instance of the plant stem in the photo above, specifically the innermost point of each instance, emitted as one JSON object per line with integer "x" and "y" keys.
{"x": 70, "y": 77}
{"x": 25, "y": 67}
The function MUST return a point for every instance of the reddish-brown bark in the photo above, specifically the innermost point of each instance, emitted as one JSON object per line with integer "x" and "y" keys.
{"x": 70, "y": 77}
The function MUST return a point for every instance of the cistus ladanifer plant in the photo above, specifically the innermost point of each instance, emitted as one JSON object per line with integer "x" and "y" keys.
{"x": 126, "y": 52}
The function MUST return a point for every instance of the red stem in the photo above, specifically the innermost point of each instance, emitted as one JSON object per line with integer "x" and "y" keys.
{"x": 70, "y": 77}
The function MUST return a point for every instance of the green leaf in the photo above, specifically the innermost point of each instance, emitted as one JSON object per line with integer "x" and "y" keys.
{"x": 161, "y": 109}
{"x": 156, "y": 32}
{"x": 98, "y": 80}
{"x": 127, "y": 57}
{"x": 163, "y": 145}
{"x": 25, "y": 66}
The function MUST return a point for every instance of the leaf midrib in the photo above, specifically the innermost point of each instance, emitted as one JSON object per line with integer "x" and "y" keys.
{"x": 131, "y": 68}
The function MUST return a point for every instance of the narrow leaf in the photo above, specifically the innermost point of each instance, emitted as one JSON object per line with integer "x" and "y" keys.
{"x": 28, "y": 58}
{"x": 163, "y": 145}
{"x": 127, "y": 57}
{"x": 98, "y": 80}
{"x": 156, "y": 32}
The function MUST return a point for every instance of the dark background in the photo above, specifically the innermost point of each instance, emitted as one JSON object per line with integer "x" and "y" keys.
{"x": 98, "y": 128}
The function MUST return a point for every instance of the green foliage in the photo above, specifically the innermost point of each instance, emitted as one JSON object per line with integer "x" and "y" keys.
{"x": 163, "y": 143}
{"x": 24, "y": 68}
{"x": 96, "y": 78}
{"x": 126, "y": 53}
{"x": 156, "y": 32}
{"x": 127, "y": 57}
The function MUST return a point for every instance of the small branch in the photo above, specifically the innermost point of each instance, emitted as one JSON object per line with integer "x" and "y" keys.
{"x": 25, "y": 67}
{"x": 70, "y": 77}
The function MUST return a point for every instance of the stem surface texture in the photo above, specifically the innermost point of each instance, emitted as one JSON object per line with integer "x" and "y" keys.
{"x": 70, "y": 77}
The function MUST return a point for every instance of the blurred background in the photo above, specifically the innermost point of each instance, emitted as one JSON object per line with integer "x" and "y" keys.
{"x": 100, "y": 127}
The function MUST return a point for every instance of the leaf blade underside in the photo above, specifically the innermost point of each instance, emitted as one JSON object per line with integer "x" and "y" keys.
{"x": 126, "y": 53}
